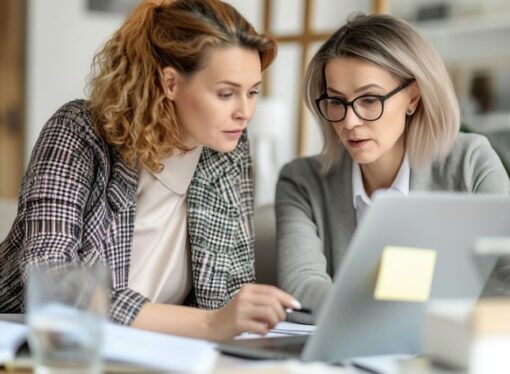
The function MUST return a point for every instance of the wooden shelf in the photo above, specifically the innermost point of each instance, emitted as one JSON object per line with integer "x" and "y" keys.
{"x": 476, "y": 41}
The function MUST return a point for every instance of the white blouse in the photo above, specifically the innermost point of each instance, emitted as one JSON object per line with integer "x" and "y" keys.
{"x": 160, "y": 266}
{"x": 360, "y": 198}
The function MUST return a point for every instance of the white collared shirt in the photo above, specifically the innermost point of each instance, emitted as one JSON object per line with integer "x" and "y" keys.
{"x": 160, "y": 267}
{"x": 360, "y": 199}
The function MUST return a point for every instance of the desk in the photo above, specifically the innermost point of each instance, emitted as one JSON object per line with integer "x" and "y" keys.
{"x": 231, "y": 365}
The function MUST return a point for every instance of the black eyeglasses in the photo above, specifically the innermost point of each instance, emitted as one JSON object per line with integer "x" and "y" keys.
{"x": 366, "y": 107}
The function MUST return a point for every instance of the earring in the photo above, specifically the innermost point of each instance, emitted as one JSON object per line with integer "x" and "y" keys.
{"x": 409, "y": 112}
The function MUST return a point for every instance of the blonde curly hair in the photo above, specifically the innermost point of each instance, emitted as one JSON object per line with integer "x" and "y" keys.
{"x": 126, "y": 92}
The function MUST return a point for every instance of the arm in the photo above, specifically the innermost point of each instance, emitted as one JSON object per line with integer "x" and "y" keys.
{"x": 54, "y": 198}
{"x": 256, "y": 308}
{"x": 301, "y": 261}
{"x": 54, "y": 194}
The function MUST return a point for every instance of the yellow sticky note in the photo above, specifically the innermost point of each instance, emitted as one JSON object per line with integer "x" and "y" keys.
{"x": 405, "y": 274}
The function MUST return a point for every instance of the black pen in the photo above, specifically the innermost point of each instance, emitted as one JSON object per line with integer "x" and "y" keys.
{"x": 364, "y": 368}
{"x": 300, "y": 310}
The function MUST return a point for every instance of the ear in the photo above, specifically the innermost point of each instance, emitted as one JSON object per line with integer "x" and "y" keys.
{"x": 171, "y": 79}
{"x": 414, "y": 97}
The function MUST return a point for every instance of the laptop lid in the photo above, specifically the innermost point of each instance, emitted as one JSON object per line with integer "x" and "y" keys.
{"x": 353, "y": 323}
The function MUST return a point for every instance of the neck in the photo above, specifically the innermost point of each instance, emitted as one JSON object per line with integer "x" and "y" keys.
{"x": 382, "y": 173}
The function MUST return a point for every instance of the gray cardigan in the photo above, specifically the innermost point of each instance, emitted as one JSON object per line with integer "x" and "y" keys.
{"x": 316, "y": 217}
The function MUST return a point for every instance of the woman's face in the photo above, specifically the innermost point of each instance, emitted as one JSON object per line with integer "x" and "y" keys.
{"x": 215, "y": 104}
{"x": 370, "y": 142}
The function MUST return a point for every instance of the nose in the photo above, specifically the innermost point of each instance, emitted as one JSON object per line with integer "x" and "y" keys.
{"x": 244, "y": 109}
{"x": 351, "y": 119}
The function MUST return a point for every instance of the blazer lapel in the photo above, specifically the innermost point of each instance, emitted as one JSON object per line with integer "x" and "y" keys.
{"x": 214, "y": 213}
{"x": 343, "y": 215}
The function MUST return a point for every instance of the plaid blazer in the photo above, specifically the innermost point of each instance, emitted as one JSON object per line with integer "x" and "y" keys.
{"x": 77, "y": 205}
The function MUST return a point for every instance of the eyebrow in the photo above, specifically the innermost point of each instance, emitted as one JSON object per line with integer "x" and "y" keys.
{"x": 362, "y": 88}
{"x": 237, "y": 85}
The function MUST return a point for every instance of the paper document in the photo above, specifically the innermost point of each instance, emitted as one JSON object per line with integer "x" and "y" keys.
{"x": 12, "y": 336}
{"x": 405, "y": 274}
{"x": 282, "y": 329}
{"x": 126, "y": 345}
{"x": 158, "y": 351}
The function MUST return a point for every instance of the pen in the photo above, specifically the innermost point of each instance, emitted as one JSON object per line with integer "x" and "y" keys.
{"x": 364, "y": 368}
{"x": 301, "y": 310}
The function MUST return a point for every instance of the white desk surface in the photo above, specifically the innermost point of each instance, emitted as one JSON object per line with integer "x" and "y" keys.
{"x": 232, "y": 365}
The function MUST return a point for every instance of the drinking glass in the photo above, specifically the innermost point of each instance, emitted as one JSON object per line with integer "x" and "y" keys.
{"x": 66, "y": 306}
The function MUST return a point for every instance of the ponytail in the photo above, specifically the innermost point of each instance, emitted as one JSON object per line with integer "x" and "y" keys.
{"x": 127, "y": 96}
{"x": 126, "y": 90}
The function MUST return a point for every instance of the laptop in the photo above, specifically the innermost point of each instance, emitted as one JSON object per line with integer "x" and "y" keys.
{"x": 352, "y": 323}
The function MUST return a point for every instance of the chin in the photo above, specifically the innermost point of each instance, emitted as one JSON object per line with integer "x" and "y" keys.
{"x": 223, "y": 148}
{"x": 363, "y": 158}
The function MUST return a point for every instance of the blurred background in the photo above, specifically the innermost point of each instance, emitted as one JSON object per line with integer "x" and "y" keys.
{"x": 46, "y": 47}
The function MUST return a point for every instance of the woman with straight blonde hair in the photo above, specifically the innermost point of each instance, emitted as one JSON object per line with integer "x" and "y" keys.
{"x": 152, "y": 176}
{"x": 390, "y": 121}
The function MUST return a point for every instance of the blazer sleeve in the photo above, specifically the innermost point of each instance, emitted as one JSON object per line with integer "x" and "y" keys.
{"x": 54, "y": 194}
{"x": 53, "y": 203}
{"x": 302, "y": 265}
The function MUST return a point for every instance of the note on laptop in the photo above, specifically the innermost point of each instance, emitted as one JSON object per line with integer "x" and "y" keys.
{"x": 405, "y": 274}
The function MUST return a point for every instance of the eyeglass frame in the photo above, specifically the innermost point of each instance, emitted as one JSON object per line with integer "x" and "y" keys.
{"x": 347, "y": 104}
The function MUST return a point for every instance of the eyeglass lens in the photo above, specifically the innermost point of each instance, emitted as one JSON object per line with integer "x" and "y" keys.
{"x": 366, "y": 107}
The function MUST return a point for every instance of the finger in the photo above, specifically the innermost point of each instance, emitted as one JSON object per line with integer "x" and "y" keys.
{"x": 271, "y": 301}
{"x": 256, "y": 327}
{"x": 264, "y": 314}
{"x": 287, "y": 300}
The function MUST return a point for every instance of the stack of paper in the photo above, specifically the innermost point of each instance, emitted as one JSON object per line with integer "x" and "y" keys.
{"x": 12, "y": 336}
{"x": 128, "y": 346}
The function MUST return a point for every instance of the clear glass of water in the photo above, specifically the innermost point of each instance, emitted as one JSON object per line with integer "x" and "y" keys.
{"x": 66, "y": 306}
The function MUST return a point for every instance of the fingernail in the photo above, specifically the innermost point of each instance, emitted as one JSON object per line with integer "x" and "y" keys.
{"x": 296, "y": 304}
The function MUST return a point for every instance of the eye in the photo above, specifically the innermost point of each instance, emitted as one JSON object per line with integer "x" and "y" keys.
{"x": 368, "y": 100}
{"x": 254, "y": 93}
{"x": 225, "y": 95}
{"x": 335, "y": 102}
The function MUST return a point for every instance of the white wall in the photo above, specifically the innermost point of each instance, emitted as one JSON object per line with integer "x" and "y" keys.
{"x": 62, "y": 39}
{"x": 63, "y": 36}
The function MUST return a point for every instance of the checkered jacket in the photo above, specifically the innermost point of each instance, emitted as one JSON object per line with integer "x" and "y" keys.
{"x": 77, "y": 205}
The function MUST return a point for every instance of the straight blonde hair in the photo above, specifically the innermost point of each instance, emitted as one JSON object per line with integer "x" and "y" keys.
{"x": 397, "y": 47}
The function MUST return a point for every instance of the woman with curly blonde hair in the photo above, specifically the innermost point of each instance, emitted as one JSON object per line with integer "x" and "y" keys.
{"x": 152, "y": 176}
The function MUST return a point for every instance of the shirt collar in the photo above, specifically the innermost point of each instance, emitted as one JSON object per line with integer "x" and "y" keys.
{"x": 178, "y": 170}
{"x": 400, "y": 184}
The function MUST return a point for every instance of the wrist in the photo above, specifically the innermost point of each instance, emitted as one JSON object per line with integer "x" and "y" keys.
{"x": 208, "y": 324}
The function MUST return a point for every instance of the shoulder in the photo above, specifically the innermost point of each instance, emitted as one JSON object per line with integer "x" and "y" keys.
{"x": 69, "y": 139}
{"x": 468, "y": 143}
{"x": 72, "y": 127}
{"x": 74, "y": 117}
{"x": 471, "y": 165}
{"x": 303, "y": 168}
{"x": 469, "y": 149}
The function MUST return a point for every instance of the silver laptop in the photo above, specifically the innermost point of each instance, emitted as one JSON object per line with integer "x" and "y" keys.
{"x": 352, "y": 323}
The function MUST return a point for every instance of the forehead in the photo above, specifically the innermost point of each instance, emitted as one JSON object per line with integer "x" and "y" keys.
{"x": 235, "y": 64}
{"x": 353, "y": 72}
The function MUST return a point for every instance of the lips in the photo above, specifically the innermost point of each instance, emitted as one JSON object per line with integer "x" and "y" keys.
{"x": 357, "y": 143}
{"x": 233, "y": 134}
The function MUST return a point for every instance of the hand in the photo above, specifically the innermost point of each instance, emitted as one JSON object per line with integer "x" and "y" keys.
{"x": 256, "y": 308}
